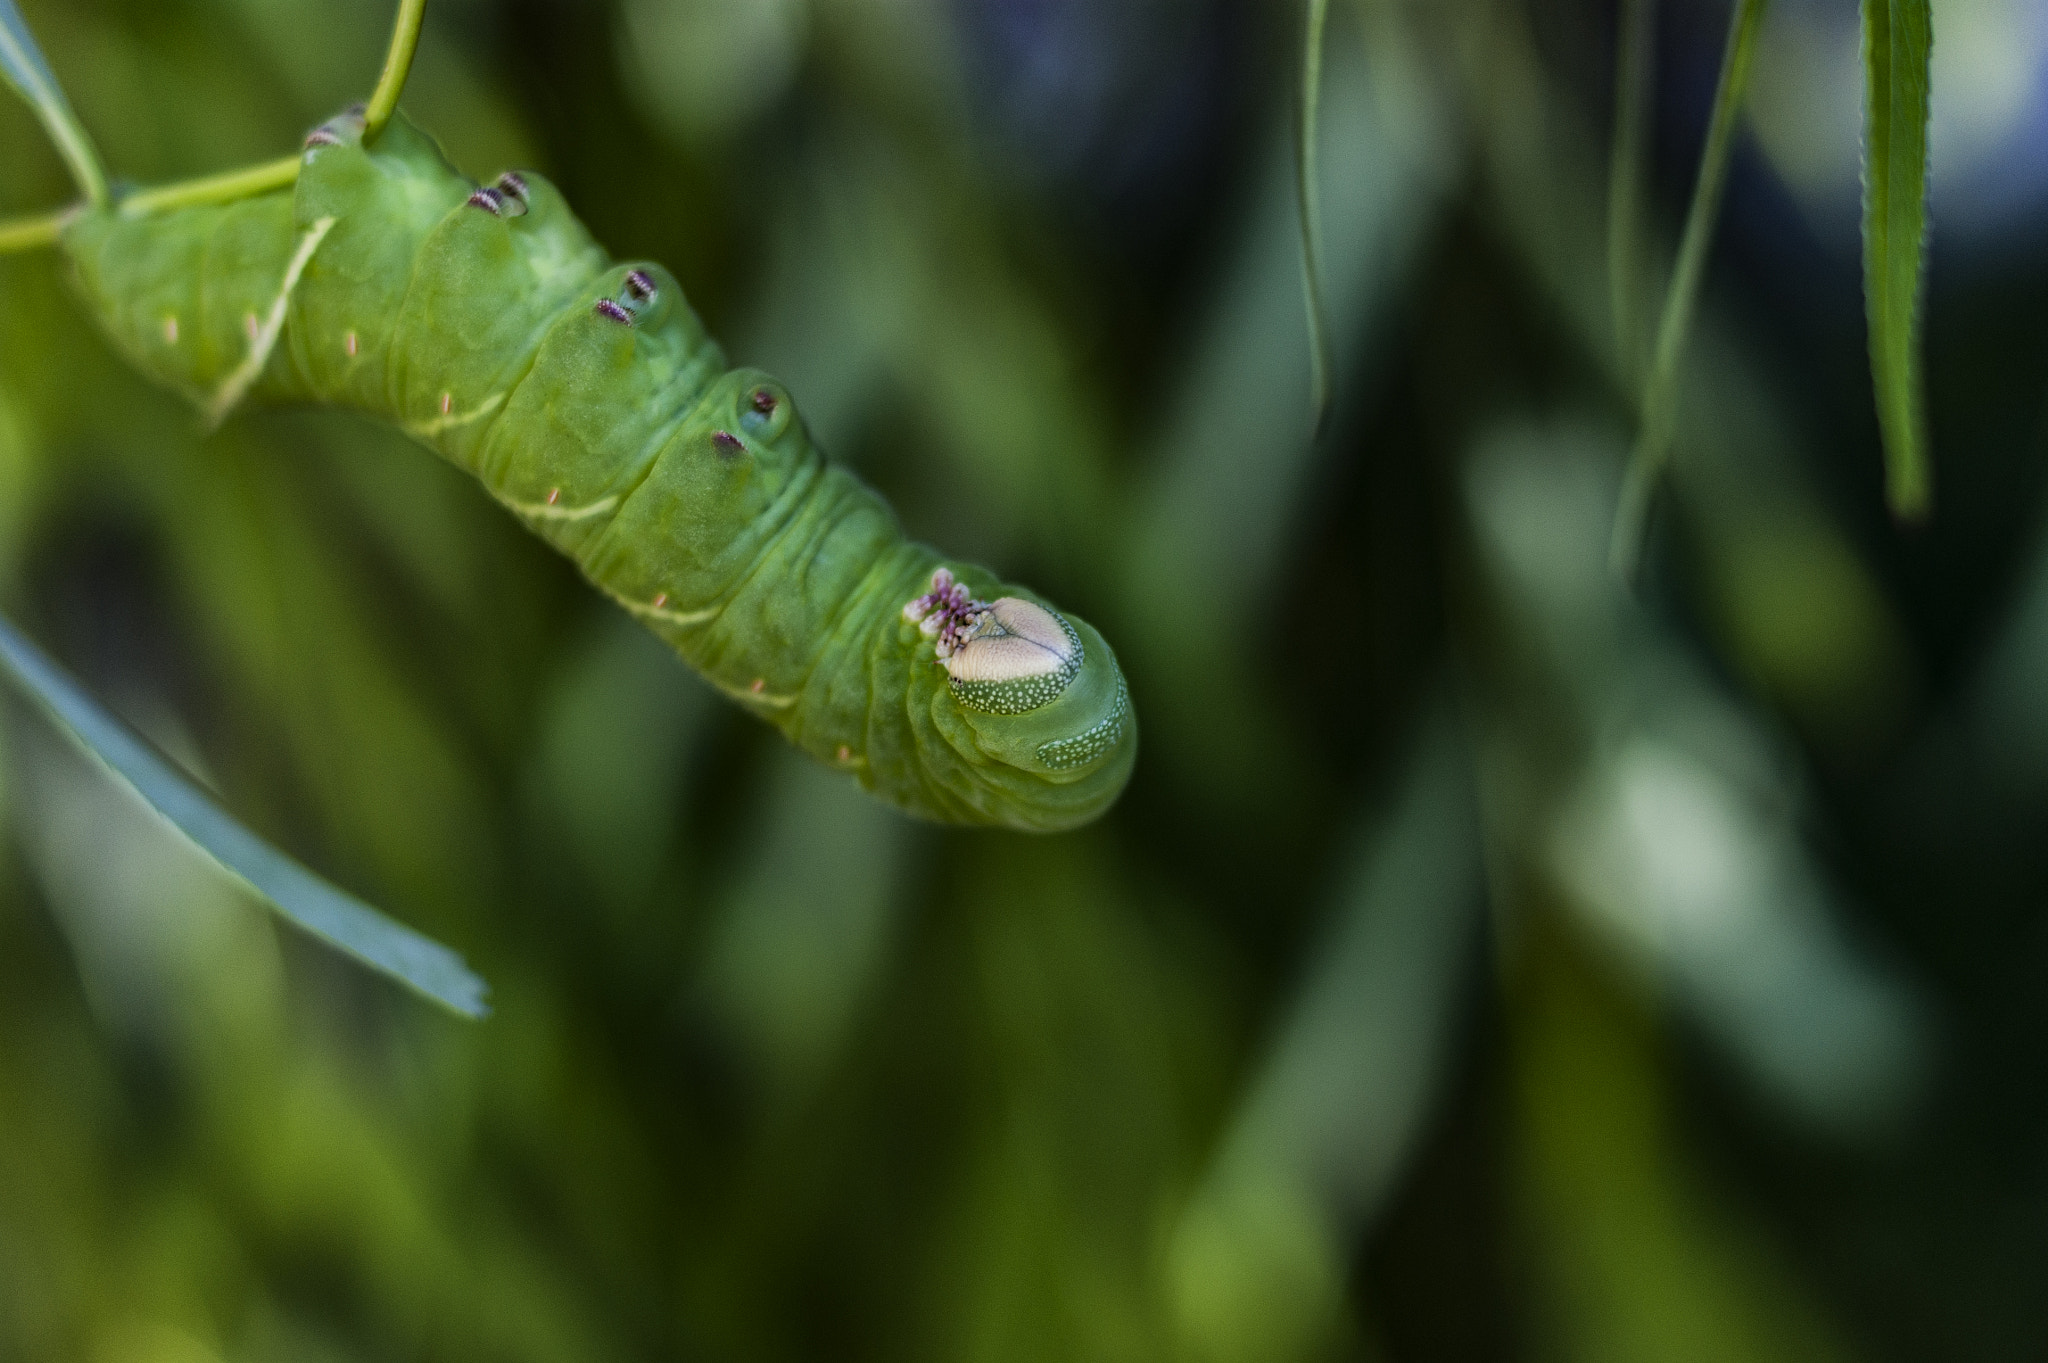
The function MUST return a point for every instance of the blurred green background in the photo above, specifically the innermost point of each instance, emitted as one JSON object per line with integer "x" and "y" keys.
{"x": 1487, "y": 962}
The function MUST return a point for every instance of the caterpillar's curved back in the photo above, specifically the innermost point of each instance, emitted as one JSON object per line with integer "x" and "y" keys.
{"x": 587, "y": 397}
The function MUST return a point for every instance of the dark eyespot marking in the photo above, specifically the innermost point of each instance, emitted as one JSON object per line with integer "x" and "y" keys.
{"x": 490, "y": 201}
{"x": 638, "y": 294}
{"x": 335, "y": 131}
{"x": 728, "y": 445}
{"x": 764, "y": 412}
{"x": 612, "y": 312}
{"x": 511, "y": 187}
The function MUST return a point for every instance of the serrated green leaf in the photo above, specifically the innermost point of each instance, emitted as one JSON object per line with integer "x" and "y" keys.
{"x": 25, "y": 68}
{"x": 1898, "y": 38}
{"x": 337, "y": 918}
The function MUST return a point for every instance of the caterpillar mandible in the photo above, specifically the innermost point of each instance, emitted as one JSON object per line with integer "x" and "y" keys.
{"x": 587, "y": 397}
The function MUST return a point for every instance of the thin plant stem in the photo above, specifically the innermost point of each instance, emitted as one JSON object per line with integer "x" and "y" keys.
{"x": 29, "y": 234}
{"x": 1634, "y": 76}
{"x": 1309, "y": 208}
{"x": 405, "y": 40}
{"x": 250, "y": 181}
{"x": 76, "y": 148}
{"x": 226, "y": 187}
{"x": 1653, "y": 441}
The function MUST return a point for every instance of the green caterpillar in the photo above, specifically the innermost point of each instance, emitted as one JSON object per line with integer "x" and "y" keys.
{"x": 586, "y": 396}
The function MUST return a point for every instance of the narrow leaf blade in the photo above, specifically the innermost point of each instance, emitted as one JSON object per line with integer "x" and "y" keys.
{"x": 23, "y": 66}
{"x": 1308, "y": 206}
{"x": 1898, "y": 39}
{"x": 22, "y": 62}
{"x": 1653, "y": 439}
{"x": 337, "y": 918}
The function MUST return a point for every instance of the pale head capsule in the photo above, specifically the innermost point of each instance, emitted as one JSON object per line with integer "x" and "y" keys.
{"x": 1002, "y": 657}
{"x": 1015, "y": 656}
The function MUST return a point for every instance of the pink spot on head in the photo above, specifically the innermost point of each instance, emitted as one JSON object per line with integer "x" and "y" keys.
{"x": 660, "y": 600}
{"x": 251, "y": 326}
{"x": 554, "y": 495}
{"x": 170, "y": 331}
{"x": 348, "y": 343}
{"x": 946, "y": 612}
{"x": 447, "y": 401}
{"x": 845, "y": 753}
{"x": 758, "y": 686}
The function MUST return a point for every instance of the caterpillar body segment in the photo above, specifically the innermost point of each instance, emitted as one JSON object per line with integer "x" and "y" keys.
{"x": 587, "y": 397}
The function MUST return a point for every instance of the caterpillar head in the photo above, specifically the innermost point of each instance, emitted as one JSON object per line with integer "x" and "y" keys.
{"x": 1002, "y": 657}
{"x": 1040, "y": 691}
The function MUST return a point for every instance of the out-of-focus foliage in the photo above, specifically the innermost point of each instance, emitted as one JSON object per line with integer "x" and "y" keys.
{"x": 1487, "y": 961}
{"x": 332, "y": 915}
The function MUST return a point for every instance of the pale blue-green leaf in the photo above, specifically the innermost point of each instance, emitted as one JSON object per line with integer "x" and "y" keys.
{"x": 334, "y": 917}
{"x": 21, "y": 61}
{"x": 23, "y": 65}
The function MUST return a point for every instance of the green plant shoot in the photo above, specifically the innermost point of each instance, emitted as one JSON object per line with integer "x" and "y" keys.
{"x": 1898, "y": 40}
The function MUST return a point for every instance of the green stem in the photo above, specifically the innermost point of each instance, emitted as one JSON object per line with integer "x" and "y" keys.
{"x": 78, "y": 152}
{"x": 1634, "y": 70}
{"x": 1897, "y": 38}
{"x": 405, "y": 40}
{"x": 29, "y": 234}
{"x": 250, "y": 181}
{"x": 1653, "y": 442}
{"x": 1309, "y": 208}
{"x": 226, "y": 187}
